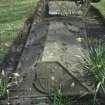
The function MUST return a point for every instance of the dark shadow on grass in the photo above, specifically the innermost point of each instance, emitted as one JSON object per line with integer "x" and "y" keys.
{"x": 99, "y": 17}
{"x": 96, "y": 26}
{"x": 12, "y": 57}
{"x": 14, "y": 53}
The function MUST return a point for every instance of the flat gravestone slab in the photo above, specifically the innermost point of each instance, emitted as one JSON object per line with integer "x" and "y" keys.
{"x": 63, "y": 49}
{"x": 51, "y": 51}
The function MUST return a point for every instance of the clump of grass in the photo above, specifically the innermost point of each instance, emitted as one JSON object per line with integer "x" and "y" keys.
{"x": 7, "y": 82}
{"x": 94, "y": 63}
{"x": 3, "y": 85}
{"x": 58, "y": 98}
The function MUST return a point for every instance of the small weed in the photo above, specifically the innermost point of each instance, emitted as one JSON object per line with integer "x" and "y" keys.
{"x": 3, "y": 85}
{"x": 6, "y": 82}
{"x": 58, "y": 98}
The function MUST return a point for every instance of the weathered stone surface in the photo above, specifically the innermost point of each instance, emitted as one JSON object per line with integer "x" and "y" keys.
{"x": 63, "y": 47}
{"x": 64, "y": 8}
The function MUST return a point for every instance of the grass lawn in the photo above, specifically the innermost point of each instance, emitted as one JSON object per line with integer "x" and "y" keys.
{"x": 101, "y": 6}
{"x": 12, "y": 15}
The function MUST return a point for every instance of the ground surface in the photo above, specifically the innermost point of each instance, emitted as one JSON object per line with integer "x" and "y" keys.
{"x": 53, "y": 46}
{"x": 52, "y": 42}
{"x": 12, "y": 15}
